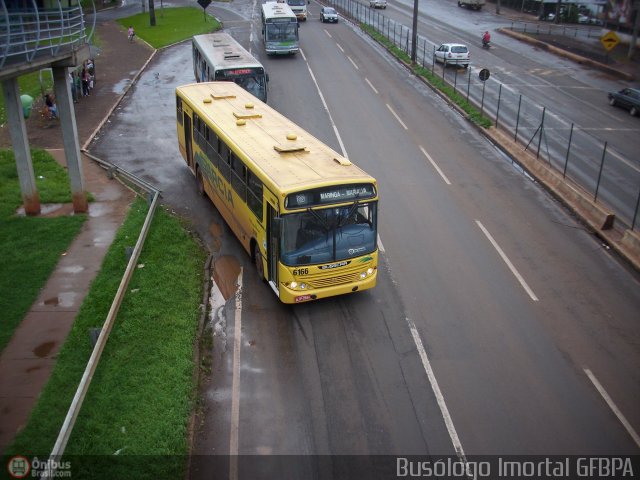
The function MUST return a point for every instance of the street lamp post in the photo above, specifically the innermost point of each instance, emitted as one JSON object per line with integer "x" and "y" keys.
{"x": 414, "y": 35}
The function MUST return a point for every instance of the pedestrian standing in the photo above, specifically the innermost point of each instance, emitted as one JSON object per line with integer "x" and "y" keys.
{"x": 78, "y": 83}
{"x": 85, "y": 82}
{"x": 72, "y": 82}
{"x": 91, "y": 70}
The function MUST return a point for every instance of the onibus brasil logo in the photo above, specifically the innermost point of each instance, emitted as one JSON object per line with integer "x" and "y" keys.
{"x": 20, "y": 467}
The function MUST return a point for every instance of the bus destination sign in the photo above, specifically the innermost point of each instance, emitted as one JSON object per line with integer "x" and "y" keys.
{"x": 328, "y": 195}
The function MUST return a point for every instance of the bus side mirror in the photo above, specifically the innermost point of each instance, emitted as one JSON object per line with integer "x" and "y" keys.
{"x": 267, "y": 77}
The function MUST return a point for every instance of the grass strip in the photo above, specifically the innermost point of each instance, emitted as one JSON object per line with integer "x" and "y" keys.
{"x": 141, "y": 395}
{"x": 30, "y": 247}
{"x": 172, "y": 25}
{"x": 473, "y": 114}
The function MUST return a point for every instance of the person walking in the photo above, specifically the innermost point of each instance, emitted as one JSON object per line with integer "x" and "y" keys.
{"x": 131, "y": 33}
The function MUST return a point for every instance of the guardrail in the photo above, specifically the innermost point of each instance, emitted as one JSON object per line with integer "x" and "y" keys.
{"x": 592, "y": 163}
{"x": 92, "y": 364}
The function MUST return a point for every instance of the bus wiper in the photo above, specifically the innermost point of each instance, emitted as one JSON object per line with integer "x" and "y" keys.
{"x": 320, "y": 220}
{"x": 344, "y": 218}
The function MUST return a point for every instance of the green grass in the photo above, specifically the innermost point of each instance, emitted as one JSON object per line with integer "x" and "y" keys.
{"x": 141, "y": 396}
{"x": 30, "y": 247}
{"x": 473, "y": 114}
{"x": 172, "y": 25}
{"x": 34, "y": 84}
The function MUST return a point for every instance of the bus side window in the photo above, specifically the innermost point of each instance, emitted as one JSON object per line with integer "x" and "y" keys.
{"x": 224, "y": 160}
{"x": 238, "y": 178}
{"x": 254, "y": 194}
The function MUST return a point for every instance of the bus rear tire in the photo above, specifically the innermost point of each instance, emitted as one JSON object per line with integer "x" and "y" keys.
{"x": 257, "y": 257}
{"x": 200, "y": 182}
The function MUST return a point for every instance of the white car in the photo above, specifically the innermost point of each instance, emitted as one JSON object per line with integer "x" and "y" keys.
{"x": 378, "y": 3}
{"x": 452, "y": 54}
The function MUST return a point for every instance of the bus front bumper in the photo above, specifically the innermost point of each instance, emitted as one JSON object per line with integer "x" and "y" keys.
{"x": 288, "y": 295}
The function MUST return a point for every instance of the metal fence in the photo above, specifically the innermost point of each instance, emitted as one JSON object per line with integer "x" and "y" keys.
{"x": 603, "y": 172}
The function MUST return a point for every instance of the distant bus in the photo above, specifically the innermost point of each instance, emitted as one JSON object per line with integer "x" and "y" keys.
{"x": 299, "y": 8}
{"x": 218, "y": 56}
{"x": 307, "y": 215}
{"x": 279, "y": 29}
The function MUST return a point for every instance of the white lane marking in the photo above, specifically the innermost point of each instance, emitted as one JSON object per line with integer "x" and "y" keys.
{"x": 335, "y": 129}
{"x": 435, "y": 165}
{"x": 353, "y": 63}
{"x": 340, "y": 47}
{"x": 329, "y": 35}
{"x": 508, "y": 262}
{"x": 396, "y": 115}
{"x": 235, "y": 389}
{"x": 371, "y": 85}
{"x": 448, "y": 421}
{"x": 613, "y": 406}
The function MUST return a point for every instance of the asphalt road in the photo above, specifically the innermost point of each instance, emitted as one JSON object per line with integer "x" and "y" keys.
{"x": 492, "y": 309}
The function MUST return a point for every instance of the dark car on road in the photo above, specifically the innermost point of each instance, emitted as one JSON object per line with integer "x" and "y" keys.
{"x": 328, "y": 14}
{"x": 628, "y": 98}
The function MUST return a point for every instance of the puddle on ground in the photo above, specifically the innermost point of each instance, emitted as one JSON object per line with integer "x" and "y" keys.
{"x": 44, "y": 349}
{"x": 225, "y": 273}
{"x": 72, "y": 269}
{"x": 216, "y": 231}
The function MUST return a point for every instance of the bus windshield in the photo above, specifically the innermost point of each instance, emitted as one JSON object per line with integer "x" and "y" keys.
{"x": 329, "y": 235}
{"x": 282, "y": 32}
{"x": 252, "y": 80}
{"x": 296, "y": 3}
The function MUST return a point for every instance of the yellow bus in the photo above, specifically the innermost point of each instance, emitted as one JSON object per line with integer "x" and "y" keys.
{"x": 305, "y": 214}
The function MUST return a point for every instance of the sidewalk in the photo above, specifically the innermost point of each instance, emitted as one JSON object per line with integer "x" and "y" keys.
{"x": 27, "y": 361}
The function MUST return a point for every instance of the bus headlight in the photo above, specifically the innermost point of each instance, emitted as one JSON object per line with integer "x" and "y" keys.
{"x": 370, "y": 271}
{"x": 363, "y": 275}
{"x": 294, "y": 284}
{"x": 303, "y": 286}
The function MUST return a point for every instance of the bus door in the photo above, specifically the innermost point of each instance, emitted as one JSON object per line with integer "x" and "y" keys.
{"x": 188, "y": 135}
{"x": 272, "y": 248}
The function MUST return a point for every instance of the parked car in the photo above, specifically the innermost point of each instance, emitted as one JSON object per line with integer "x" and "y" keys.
{"x": 452, "y": 54}
{"x": 628, "y": 98}
{"x": 328, "y": 14}
{"x": 378, "y": 3}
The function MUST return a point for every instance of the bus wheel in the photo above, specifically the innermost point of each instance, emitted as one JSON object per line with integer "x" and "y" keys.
{"x": 258, "y": 260}
{"x": 200, "y": 182}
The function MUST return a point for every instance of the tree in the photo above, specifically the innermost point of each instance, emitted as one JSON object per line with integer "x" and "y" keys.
{"x": 152, "y": 14}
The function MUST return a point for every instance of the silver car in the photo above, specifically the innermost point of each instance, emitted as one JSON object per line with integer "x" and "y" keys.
{"x": 452, "y": 54}
{"x": 378, "y": 3}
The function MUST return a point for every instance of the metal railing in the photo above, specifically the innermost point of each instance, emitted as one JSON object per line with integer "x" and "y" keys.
{"x": 610, "y": 177}
{"x": 29, "y": 33}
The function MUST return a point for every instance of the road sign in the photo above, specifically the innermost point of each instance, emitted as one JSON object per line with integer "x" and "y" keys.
{"x": 204, "y": 3}
{"x": 484, "y": 74}
{"x": 610, "y": 40}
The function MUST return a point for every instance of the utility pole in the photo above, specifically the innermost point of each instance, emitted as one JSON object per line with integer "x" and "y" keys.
{"x": 414, "y": 34}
